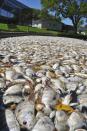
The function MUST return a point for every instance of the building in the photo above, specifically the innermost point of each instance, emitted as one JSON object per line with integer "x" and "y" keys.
{"x": 48, "y": 24}
{"x": 11, "y": 10}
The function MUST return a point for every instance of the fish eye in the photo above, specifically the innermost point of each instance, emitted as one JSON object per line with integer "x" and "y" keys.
{"x": 24, "y": 122}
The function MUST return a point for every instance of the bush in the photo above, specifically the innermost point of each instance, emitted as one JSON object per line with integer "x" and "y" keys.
{"x": 77, "y": 36}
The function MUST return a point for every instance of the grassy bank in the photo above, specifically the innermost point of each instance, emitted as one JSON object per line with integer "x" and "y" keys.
{"x": 18, "y": 28}
{"x": 37, "y": 31}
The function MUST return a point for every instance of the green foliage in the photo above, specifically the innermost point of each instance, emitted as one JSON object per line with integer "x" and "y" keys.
{"x": 73, "y": 9}
{"x": 81, "y": 22}
{"x": 35, "y": 13}
{"x": 25, "y": 15}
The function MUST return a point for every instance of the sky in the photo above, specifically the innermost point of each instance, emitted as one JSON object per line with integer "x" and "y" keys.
{"x": 36, "y": 4}
{"x": 32, "y": 3}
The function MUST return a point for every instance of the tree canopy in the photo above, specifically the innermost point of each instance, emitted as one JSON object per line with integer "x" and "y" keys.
{"x": 72, "y": 9}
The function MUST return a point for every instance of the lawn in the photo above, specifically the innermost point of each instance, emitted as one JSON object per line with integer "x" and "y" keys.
{"x": 18, "y": 28}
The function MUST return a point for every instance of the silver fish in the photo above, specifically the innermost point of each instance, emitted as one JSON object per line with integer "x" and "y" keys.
{"x": 11, "y": 99}
{"x": 11, "y": 121}
{"x": 25, "y": 114}
{"x": 44, "y": 124}
{"x": 13, "y": 90}
{"x": 61, "y": 121}
{"x": 48, "y": 96}
{"x": 76, "y": 121}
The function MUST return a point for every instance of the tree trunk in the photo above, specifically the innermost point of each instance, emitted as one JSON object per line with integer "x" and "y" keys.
{"x": 75, "y": 21}
{"x": 75, "y": 28}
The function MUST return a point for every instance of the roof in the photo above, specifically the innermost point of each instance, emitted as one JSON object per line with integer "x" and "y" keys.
{"x": 12, "y": 5}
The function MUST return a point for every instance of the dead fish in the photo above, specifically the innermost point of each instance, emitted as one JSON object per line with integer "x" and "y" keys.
{"x": 13, "y": 76}
{"x": 71, "y": 86}
{"x": 18, "y": 69}
{"x": 25, "y": 114}
{"x": 65, "y": 69}
{"x": 39, "y": 115}
{"x": 44, "y": 124}
{"x": 81, "y": 75}
{"x": 11, "y": 121}
{"x": 29, "y": 72}
{"x": 6, "y": 59}
{"x": 61, "y": 121}
{"x": 68, "y": 62}
{"x": 80, "y": 90}
{"x": 8, "y": 99}
{"x": 46, "y": 81}
{"x": 19, "y": 80}
{"x": 2, "y": 84}
{"x": 55, "y": 66}
{"x": 40, "y": 73}
{"x": 63, "y": 79}
{"x": 52, "y": 114}
{"x": 76, "y": 121}
{"x": 82, "y": 100}
{"x": 14, "y": 90}
{"x": 9, "y": 74}
{"x": 58, "y": 73}
{"x": 76, "y": 68}
{"x": 38, "y": 87}
{"x": 48, "y": 96}
{"x": 57, "y": 85}
{"x": 74, "y": 79}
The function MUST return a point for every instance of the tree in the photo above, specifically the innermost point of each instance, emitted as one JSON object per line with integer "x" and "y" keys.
{"x": 75, "y": 10}
{"x": 25, "y": 16}
{"x": 44, "y": 14}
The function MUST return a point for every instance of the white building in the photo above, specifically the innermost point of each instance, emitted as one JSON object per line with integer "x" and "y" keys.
{"x": 48, "y": 24}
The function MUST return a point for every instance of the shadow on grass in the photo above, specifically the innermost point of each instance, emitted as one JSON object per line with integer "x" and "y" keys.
{"x": 13, "y": 27}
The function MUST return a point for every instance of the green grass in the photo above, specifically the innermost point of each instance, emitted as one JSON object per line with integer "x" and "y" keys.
{"x": 3, "y": 26}
{"x": 18, "y": 28}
